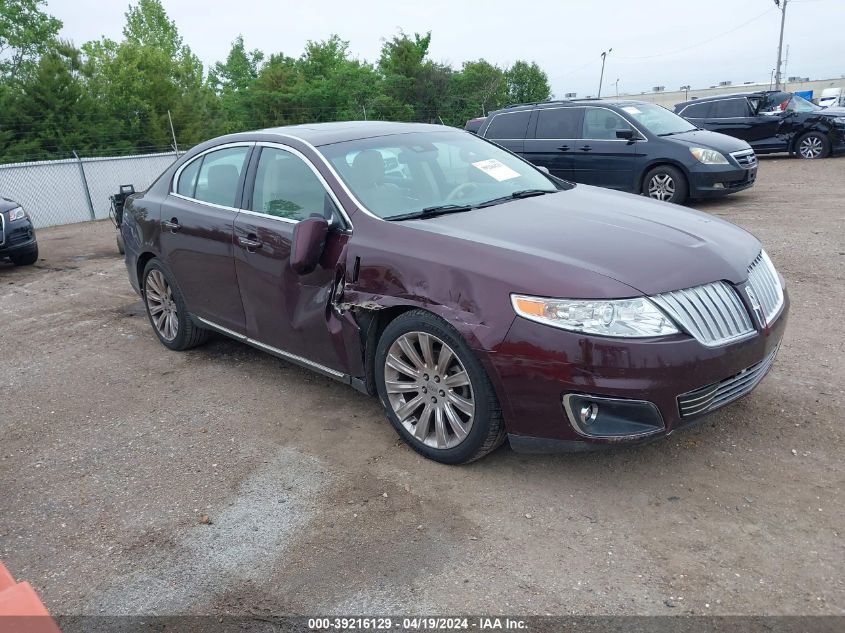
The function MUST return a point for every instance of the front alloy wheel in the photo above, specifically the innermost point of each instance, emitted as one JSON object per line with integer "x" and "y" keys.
{"x": 666, "y": 183}
{"x": 435, "y": 391}
{"x": 429, "y": 390}
{"x": 661, "y": 187}
{"x": 812, "y": 146}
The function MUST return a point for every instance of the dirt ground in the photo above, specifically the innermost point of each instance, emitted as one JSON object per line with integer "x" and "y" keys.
{"x": 112, "y": 448}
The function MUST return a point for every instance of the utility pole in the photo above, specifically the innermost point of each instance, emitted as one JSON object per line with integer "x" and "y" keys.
{"x": 617, "y": 87}
{"x": 780, "y": 41}
{"x": 601, "y": 78}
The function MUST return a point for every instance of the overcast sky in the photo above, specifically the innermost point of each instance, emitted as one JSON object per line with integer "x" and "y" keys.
{"x": 655, "y": 42}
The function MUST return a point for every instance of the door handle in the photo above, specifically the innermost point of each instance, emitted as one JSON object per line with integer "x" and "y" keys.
{"x": 172, "y": 224}
{"x": 564, "y": 148}
{"x": 586, "y": 148}
{"x": 250, "y": 244}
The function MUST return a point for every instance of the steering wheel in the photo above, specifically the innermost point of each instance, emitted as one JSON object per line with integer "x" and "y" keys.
{"x": 462, "y": 190}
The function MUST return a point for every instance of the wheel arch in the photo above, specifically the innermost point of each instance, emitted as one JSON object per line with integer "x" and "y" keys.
{"x": 140, "y": 265}
{"x": 662, "y": 162}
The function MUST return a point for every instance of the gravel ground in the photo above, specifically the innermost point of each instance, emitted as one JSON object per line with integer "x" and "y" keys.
{"x": 222, "y": 480}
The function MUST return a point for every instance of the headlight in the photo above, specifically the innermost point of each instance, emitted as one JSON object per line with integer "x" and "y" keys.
{"x": 708, "y": 156}
{"x": 17, "y": 214}
{"x": 617, "y": 317}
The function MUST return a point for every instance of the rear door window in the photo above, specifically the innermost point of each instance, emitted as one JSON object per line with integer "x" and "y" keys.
{"x": 696, "y": 111}
{"x": 601, "y": 124}
{"x": 188, "y": 179}
{"x": 509, "y": 125}
{"x": 730, "y": 109}
{"x": 219, "y": 176}
{"x": 559, "y": 123}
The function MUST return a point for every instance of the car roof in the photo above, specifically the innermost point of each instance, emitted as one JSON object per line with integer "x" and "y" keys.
{"x": 731, "y": 95}
{"x": 574, "y": 103}
{"x": 338, "y": 132}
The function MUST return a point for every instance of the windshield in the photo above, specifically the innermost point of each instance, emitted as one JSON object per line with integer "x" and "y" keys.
{"x": 657, "y": 119}
{"x": 408, "y": 173}
{"x": 778, "y": 102}
{"x": 800, "y": 104}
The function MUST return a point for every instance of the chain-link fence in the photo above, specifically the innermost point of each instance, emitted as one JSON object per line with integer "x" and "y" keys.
{"x": 77, "y": 189}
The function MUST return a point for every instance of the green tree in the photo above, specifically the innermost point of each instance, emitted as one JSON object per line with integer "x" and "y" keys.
{"x": 527, "y": 83}
{"x": 478, "y": 88}
{"x": 231, "y": 80}
{"x": 26, "y": 32}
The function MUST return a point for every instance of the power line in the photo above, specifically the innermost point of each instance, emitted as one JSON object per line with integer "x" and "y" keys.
{"x": 702, "y": 43}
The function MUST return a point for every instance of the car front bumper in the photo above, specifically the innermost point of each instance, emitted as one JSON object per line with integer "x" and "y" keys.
{"x": 537, "y": 366}
{"x": 16, "y": 237}
{"x": 709, "y": 181}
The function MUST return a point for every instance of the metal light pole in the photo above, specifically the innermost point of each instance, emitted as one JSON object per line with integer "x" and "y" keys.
{"x": 780, "y": 42}
{"x": 601, "y": 78}
{"x": 617, "y": 88}
{"x": 686, "y": 90}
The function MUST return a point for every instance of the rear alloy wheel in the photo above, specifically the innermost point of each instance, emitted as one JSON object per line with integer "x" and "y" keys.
{"x": 813, "y": 145}
{"x": 167, "y": 312}
{"x": 666, "y": 183}
{"x": 435, "y": 390}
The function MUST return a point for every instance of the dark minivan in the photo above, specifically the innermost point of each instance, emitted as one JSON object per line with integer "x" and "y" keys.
{"x": 631, "y": 146}
{"x": 771, "y": 121}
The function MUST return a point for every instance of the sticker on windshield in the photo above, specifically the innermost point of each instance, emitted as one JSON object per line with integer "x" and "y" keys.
{"x": 632, "y": 110}
{"x": 496, "y": 170}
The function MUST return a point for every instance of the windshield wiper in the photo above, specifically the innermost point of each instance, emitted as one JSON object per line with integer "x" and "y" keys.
{"x": 517, "y": 195}
{"x": 431, "y": 212}
{"x": 692, "y": 129}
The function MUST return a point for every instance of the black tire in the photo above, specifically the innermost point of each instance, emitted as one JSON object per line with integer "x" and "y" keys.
{"x": 187, "y": 334}
{"x": 812, "y": 146}
{"x": 120, "y": 248}
{"x": 679, "y": 184}
{"x": 27, "y": 258}
{"x": 487, "y": 430}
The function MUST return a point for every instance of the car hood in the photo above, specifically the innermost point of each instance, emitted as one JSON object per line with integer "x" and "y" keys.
{"x": 7, "y": 205}
{"x": 711, "y": 140}
{"x": 834, "y": 111}
{"x": 648, "y": 246}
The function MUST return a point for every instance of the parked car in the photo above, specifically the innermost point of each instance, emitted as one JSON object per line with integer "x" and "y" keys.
{"x": 478, "y": 297}
{"x": 625, "y": 145}
{"x": 832, "y": 98}
{"x": 771, "y": 121}
{"x": 17, "y": 235}
{"x": 473, "y": 125}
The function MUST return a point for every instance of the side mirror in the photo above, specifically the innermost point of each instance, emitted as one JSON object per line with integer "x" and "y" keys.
{"x": 628, "y": 135}
{"x": 309, "y": 239}
{"x": 545, "y": 170}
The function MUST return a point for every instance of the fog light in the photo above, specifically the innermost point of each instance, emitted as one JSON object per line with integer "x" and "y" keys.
{"x": 719, "y": 185}
{"x": 589, "y": 412}
{"x": 600, "y": 416}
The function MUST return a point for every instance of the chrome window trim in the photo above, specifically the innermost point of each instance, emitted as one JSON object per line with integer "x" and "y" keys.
{"x": 332, "y": 171}
{"x": 3, "y": 228}
{"x": 323, "y": 181}
{"x": 721, "y": 118}
{"x": 498, "y": 114}
{"x": 206, "y": 204}
{"x": 273, "y": 350}
{"x": 174, "y": 184}
{"x": 643, "y": 138}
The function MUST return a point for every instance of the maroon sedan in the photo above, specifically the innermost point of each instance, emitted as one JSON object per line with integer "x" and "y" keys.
{"x": 479, "y": 298}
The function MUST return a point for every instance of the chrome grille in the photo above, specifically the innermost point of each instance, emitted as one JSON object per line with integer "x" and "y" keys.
{"x": 721, "y": 393}
{"x": 764, "y": 281}
{"x": 746, "y": 158}
{"x": 712, "y": 313}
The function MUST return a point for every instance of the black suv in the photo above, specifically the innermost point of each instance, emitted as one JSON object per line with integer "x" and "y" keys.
{"x": 17, "y": 235}
{"x": 771, "y": 121}
{"x": 626, "y": 145}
